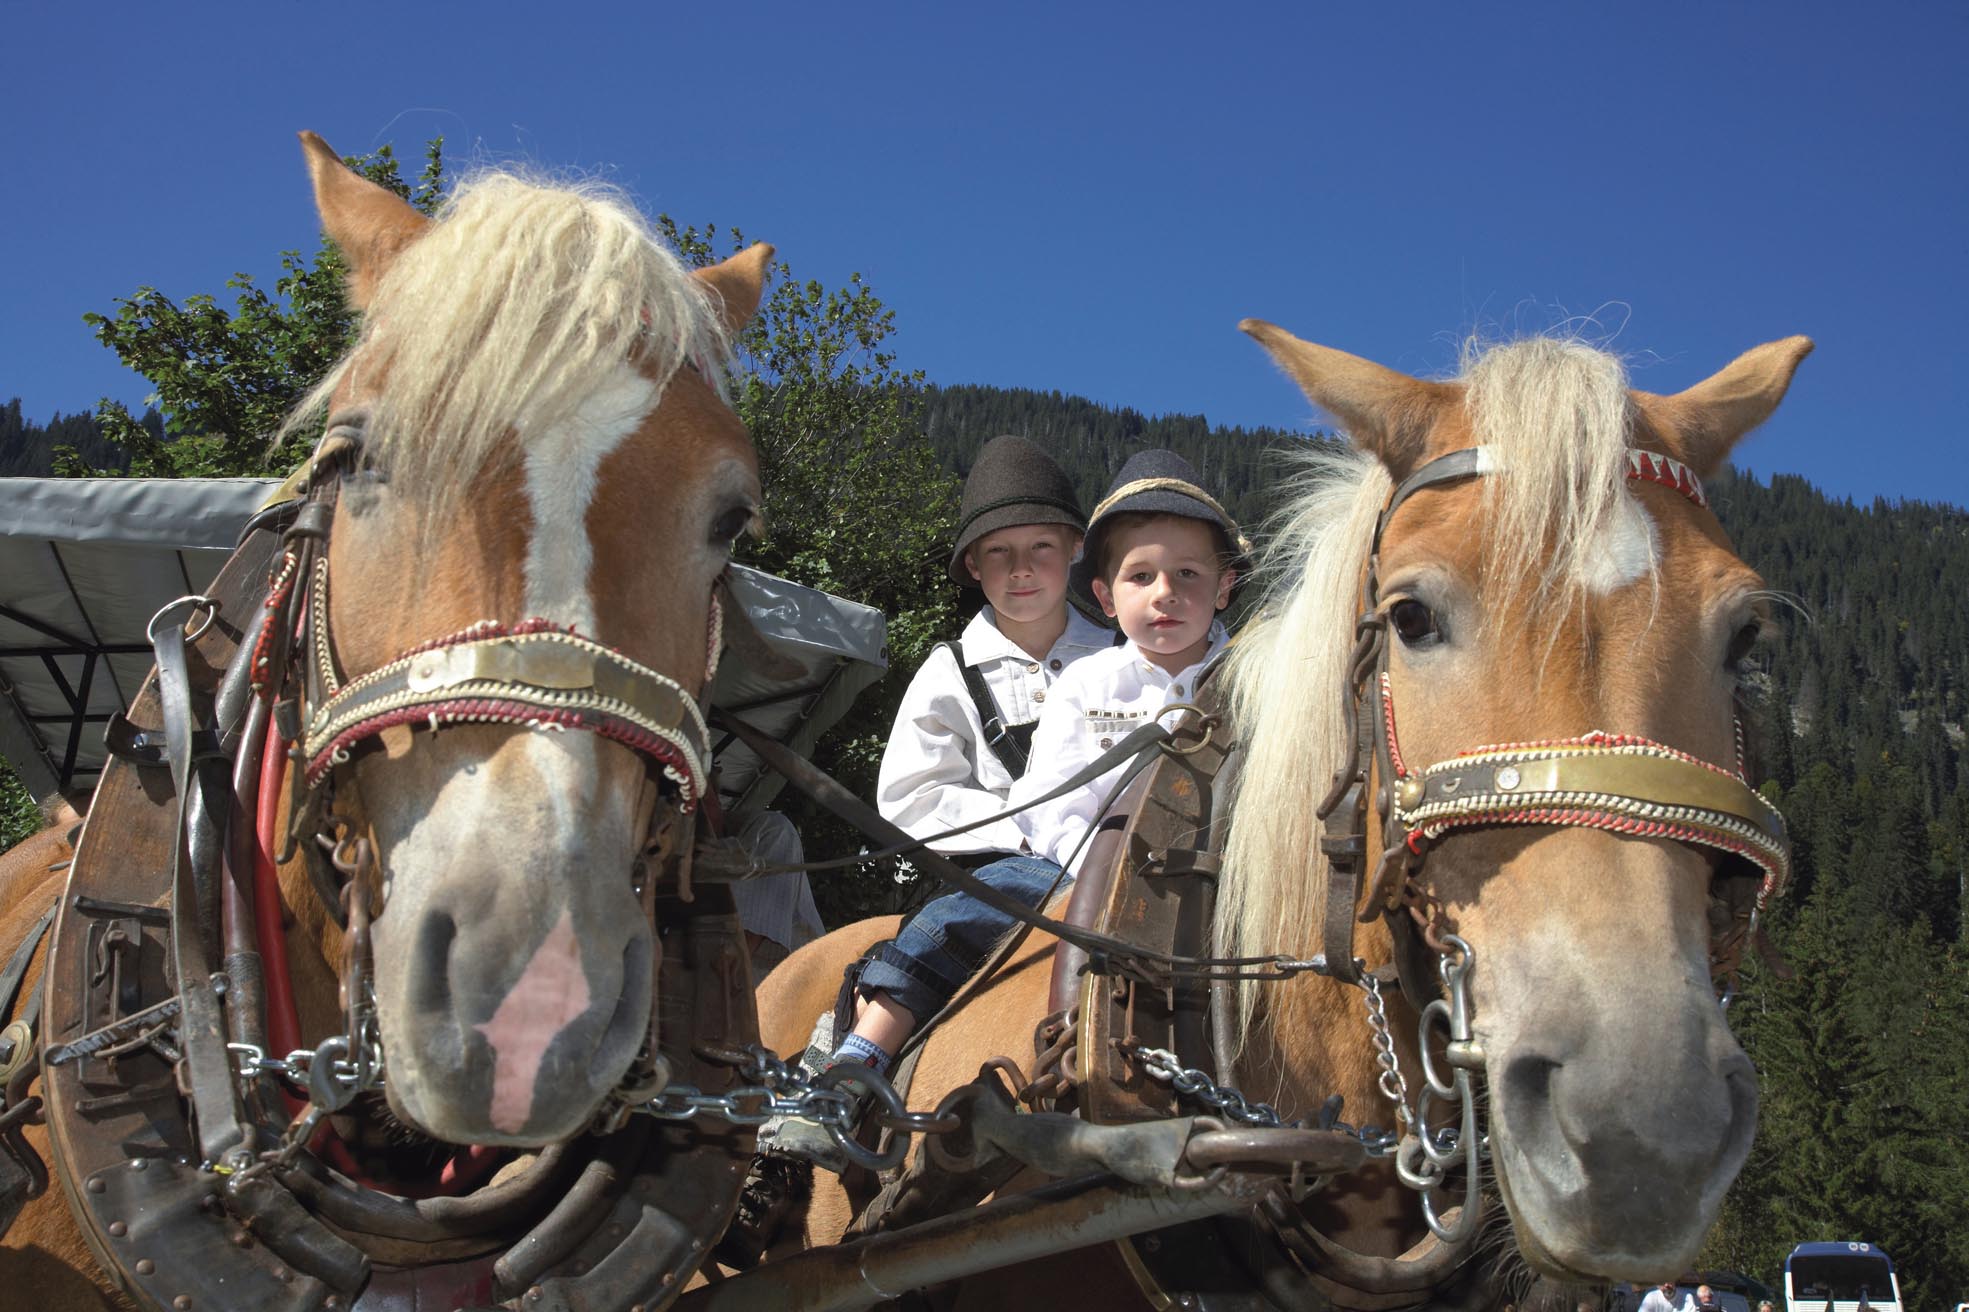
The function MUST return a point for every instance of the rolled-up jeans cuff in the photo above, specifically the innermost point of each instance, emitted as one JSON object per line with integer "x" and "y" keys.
{"x": 913, "y": 987}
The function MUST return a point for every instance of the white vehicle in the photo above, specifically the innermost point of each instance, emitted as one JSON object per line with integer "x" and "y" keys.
{"x": 1840, "y": 1277}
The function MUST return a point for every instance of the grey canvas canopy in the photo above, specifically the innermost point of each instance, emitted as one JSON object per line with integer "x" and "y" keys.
{"x": 85, "y": 563}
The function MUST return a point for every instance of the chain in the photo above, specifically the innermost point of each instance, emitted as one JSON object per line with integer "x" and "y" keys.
{"x": 1163, "y": 1065}
{"x": 338, "y": 1069}
{"x": 1189, "y": 1082}
{"x": 1393, "y": 1087}
{"x": 775, "y": 1089}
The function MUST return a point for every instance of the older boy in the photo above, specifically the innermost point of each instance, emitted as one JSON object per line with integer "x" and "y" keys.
{"x": 964, "y": 728}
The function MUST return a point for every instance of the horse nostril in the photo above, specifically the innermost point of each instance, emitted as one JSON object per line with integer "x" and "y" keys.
{"x": 1527, "y": 1083}
{"x": 430, "y": 975}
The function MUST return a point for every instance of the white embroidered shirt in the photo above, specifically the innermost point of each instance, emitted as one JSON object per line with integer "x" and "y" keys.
{"x": 936, "y": 771}
{"x": 1092, "y": 707}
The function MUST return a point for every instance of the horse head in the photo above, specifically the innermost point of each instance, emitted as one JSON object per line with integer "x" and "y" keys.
{"x": 1560, "y": 599}
{"x": 514, "y": 618}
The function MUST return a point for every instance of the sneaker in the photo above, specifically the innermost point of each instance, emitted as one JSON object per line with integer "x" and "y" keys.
{"x": 783, "y": 1136}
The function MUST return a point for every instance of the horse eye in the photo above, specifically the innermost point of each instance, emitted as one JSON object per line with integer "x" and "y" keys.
{"x": 727, "y": 527}
{"x": 1415, "y": 624}
{"x": 1741, "y": 644}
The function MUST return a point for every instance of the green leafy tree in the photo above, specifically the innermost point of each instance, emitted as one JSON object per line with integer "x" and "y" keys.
{"x": 225, "y": 379}
{"x": 19, "y": 816}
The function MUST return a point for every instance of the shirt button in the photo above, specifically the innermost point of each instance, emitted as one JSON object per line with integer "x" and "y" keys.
{"x": 1055, "y": 663}
{"x": 1039, "y": 696}
{"x": 1107, "y": 742}
{"x": 1032, "y": 667}
{"x": 1177, "y": 691}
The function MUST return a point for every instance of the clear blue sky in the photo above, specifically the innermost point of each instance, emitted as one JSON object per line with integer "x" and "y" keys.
{"x": 1089, "y": 197}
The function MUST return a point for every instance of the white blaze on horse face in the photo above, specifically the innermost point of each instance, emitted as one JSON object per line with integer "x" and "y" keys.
{"x": 551, "y": 992}
{"x": 561, "y": 465}
{"x": 1625, "y": 552}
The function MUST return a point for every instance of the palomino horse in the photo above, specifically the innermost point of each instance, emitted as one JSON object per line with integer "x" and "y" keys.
{"x": 1563, "y": 575}
{"x": 530, "y": 487}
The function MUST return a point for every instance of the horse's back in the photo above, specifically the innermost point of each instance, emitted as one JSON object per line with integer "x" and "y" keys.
{"x": 807, "y": 983}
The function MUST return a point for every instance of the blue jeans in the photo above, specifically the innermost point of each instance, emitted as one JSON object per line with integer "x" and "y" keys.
{"x": 942, "y": 945}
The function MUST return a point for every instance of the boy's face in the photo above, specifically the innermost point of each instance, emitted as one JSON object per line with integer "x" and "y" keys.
{"x": 1023, "y": 569}
{"x": 1165, "y": 586}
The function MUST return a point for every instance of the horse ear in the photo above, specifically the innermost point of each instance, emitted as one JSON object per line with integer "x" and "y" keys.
{"x": 1703, "y": 423}
{"x": 1388, "y": 413}
{"x": 739, "y": 282}
{"x": 369, "y": 224}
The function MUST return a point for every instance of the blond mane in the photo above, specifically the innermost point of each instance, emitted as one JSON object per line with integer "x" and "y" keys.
{"x": 492, "y": 327}
{"x": 1556, "y": 413}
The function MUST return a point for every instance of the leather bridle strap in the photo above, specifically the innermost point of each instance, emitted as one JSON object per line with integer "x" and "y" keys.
{"x": 532, "y": 674}
{"x": 207, "y": 1065}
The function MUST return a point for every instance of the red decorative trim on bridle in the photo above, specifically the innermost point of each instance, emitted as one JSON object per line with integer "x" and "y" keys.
{"x": 278, "y": 592}
{"x": 1652, "y": 467}
{"x": 491, "y": 710}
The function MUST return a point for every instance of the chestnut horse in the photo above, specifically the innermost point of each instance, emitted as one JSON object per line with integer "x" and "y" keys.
{"x": 1572, "y": 580}
{"x": 544, "y": 450}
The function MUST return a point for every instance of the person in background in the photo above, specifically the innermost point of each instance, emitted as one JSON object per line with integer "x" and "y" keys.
{"x": 777, "y": 911}
{"x": 1662, "y": 1299}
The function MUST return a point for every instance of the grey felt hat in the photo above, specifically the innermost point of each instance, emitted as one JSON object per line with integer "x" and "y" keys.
{"x": 1156, "y": 482}
{"x": 1013, "y": 482}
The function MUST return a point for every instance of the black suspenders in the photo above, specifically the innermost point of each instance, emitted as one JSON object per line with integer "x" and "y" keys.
{"x": 1010, "y": 743}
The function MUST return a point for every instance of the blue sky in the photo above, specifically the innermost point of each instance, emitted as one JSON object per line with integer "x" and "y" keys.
{"x": 1089, "y": 197}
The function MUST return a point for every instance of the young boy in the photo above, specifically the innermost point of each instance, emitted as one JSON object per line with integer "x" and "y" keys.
{"x": 961, "y": 739}
{"x": 1162, "y": 557}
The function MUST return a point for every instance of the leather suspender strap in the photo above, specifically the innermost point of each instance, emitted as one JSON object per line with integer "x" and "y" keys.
{"x": 1010, "y": 743}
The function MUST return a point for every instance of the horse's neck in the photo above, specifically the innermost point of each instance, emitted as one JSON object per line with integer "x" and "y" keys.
{"x": 1311, "y": 1041}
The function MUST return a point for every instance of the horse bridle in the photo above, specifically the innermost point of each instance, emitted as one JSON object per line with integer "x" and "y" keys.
{"x": 534, "y": 673}
{"x": 1616, "y": 782}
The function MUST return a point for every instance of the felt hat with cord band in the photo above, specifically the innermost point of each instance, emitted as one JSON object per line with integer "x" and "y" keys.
{"x": 1013, "y": 482}
{"x": 1157, "y": 482}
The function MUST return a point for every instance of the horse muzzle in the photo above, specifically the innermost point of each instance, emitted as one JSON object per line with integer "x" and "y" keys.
{"x": 510, "y": 1001}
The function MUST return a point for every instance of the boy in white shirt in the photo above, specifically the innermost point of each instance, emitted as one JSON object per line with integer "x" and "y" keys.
{"x": 961, "y": 739}
{"x": 1163, "y": 558}
{"x": 964, "y": 729}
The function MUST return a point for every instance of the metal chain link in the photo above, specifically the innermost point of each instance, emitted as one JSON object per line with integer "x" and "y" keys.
{"x": 1162, "y": 1064}
{"x": 1189, "y": 1082}
{"x": 1393, "y": 1087}
{"x": 776, "y": 1088}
